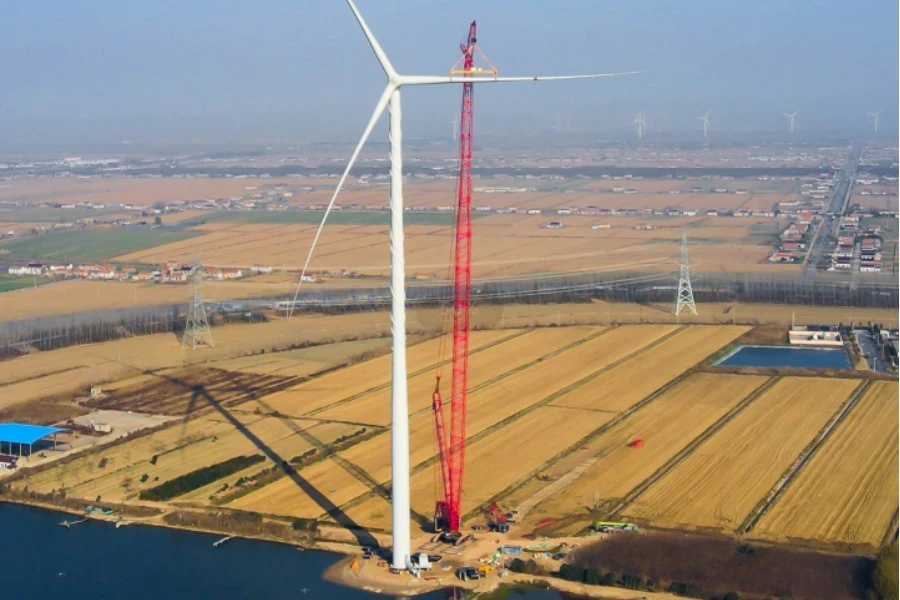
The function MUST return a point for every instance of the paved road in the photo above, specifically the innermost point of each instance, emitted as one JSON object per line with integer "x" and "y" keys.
{"x": 840, "y": 202}
{"x": 866, "y": 343}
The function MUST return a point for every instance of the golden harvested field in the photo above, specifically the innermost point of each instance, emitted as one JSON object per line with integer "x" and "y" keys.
{"x": 721, "y": 481}
{"x": 85, "y": 469}
{"x": 847, "y": 492}
{"x": 306, "y": 361}
{"x": 484, "y": 366}
{"x": 361, "y": 378}
{"x": 666, "y": 426}
{"x": 492, "y": 404}
{"x": 505, "y": 245}
{"x": 81, "y": 295}
{"x": 314, "y": 491}
{"x": 632, "y": 380}
{"x": 577, "y": 379}
{"x": 532, "y": 440}
{"x": 74, "y": 369}
{"x": 180, "y": 450}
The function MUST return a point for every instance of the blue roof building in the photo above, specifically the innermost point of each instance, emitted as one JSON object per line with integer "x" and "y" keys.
{"x": 25, "y": 435}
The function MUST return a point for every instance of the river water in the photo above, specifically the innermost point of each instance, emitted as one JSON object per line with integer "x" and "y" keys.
{"x": 41, "y": 560}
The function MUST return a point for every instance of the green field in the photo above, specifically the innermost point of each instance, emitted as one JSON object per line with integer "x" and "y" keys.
{"x": 22, "y": 214}
{"x": 76, "y": 246}
{"x": 9, "y": 284}
{"x": 309, "y": 216}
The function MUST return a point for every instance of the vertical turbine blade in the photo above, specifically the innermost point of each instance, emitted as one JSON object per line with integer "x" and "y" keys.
{"x": 379, "y": 108}
{"x": 376, "y": 47}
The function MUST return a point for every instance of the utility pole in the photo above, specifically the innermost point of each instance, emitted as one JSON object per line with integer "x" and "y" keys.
{"x": 685, "y": 295}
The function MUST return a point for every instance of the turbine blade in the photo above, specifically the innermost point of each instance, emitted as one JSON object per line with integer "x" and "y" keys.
{"x": 441, "y": 79}
{"x": 376, "y": 47}
{"x": 376, "y": 114}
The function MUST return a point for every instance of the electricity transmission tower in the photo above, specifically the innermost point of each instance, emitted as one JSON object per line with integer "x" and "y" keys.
{"x": 685, "y": 295}
{"x": 196, "y": 330}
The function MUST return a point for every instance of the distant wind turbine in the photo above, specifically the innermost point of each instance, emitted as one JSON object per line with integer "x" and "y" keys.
{"x": 640, "y": 123}
{"x": 791, "y": 117}
{"x": 705, "y": 119}
{"x": 875, "y": 115}
{"x": 455, "y": 130}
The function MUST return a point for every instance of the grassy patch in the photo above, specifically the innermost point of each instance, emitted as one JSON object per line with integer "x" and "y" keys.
{"x": 8, "y": 284}
{"x": 199, "y": 478}
{"x": 315, "y": 217}
{"x": 78, "y": 246}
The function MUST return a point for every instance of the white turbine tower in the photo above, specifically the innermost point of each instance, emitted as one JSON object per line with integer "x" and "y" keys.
{"x": 640, "y": 123}
{"x": 390, "y": 98}
{"x": 791, "y": 117}
{"x": 875, "y": 115}
{"x": 705, "y": 119}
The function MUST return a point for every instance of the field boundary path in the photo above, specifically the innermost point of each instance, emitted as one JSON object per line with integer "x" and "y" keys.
{"x": 515, "y": 416}
{"x": 561, "y": 483}
{"x": 384, "y": 386}
{"x": 791, "y": 473}
{"x": 693, "y": 445}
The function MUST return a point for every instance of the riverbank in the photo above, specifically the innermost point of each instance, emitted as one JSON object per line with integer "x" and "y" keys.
{"x": 369, "y": 576}
{"x": 80, "y": 562}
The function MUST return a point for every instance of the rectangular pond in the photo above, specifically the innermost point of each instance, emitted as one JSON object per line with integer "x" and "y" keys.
{"x": 787, "y": 356}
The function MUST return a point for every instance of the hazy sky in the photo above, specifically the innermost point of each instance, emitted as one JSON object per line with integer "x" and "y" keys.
{"x": 301, "y": 69}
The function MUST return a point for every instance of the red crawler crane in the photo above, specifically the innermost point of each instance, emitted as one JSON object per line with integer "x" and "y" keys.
{"x": 452, "y": 450}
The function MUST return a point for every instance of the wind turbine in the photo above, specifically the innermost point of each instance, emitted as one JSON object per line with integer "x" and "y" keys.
{"x": 791, "y": 117}
{"x": 705, "y": 119}
{"x": 455, "y": 130}
{"x": 640, "y": 123}
{"x": 390, "y": 99}
{"x": 875, "y": 114}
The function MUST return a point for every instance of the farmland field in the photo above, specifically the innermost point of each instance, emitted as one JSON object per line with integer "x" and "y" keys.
{"x": 533, "y": 439}
{"x": 632, "y": 380}
{"x": 721, "y": 481}
{"x": 491, "y": 404}
{"x": 359, "y": 379}
{"x": 848, "y": 490}
{"x": 74, "y": 246}
{"x": 483, "y": 368}
{"x": 665, "y": 427}
{"x": 506, "y": 245}
{"x": 541, "y": 401}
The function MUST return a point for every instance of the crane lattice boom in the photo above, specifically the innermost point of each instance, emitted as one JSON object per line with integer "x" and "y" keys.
{"x": 453, "y": 451}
